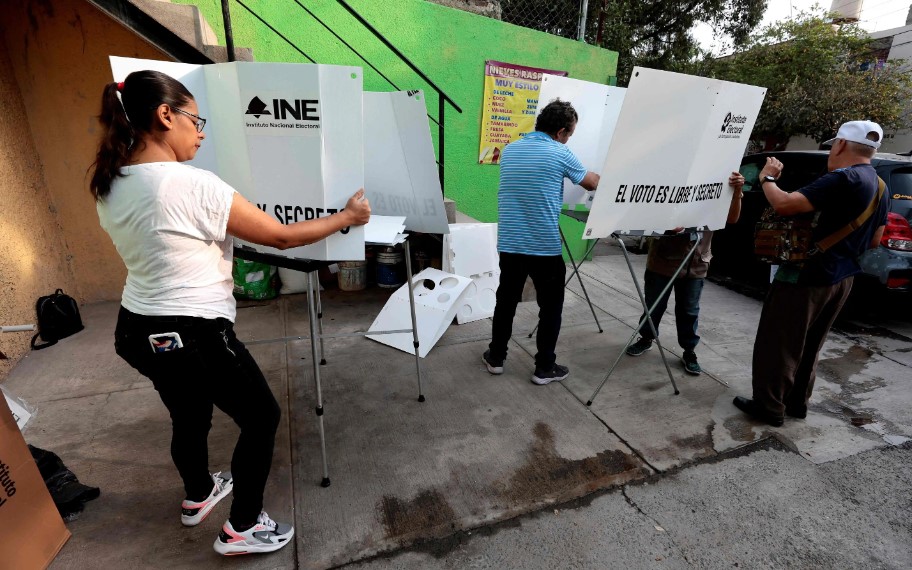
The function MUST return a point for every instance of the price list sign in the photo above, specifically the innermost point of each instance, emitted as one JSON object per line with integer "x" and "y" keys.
{"x": 510, "y": 104}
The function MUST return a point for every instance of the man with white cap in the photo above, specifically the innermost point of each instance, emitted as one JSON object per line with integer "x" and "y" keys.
{"x": 803, "y": 301}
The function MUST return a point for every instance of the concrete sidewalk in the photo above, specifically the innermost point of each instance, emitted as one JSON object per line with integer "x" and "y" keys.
{"x": 481, "y": 449}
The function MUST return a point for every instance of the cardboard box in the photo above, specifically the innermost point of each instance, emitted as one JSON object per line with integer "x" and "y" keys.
{"x": 33, "y": 532}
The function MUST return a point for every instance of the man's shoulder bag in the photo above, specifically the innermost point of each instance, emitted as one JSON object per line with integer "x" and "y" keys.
{"x": 787, "y": 239}
{"x": 58, "y": 317}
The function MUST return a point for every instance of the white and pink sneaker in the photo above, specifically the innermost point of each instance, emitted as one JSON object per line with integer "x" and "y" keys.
{"x": 193, "y": 513}
{"x": 265, "y": 536}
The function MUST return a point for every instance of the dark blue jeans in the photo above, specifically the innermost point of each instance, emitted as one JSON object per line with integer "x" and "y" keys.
{"x": 687, "y": 306}
{"x": 547, "y": 273}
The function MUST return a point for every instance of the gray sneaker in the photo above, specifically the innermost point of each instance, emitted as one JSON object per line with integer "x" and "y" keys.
{"x": 639, "y": 347}
{"x": 691, "y": 366}
{"x": 265, "y": 536}
{"x": 555, "y": 374}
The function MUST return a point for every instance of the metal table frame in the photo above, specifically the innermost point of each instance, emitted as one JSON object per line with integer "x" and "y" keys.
{"x": 315, "y": 318}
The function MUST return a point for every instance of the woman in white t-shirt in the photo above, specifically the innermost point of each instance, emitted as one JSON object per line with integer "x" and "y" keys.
{"x": 172, "y": 225}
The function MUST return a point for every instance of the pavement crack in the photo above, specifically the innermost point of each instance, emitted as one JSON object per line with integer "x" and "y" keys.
{"x": 626, "y": 444}
{"x": 655, "y": 523}
{"x": 633, "y": 504}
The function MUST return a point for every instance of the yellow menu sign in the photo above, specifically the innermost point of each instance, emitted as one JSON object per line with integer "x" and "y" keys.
{"x": 510, "y": 102}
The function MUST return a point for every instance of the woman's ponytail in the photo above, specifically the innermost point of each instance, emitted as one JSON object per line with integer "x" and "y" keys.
{"x": 127, "y": 119}
{"x": 116, "y": 142}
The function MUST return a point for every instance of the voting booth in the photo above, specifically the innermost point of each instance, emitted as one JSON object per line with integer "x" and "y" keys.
{"x": 598, "y": 108}
{"x": 292, "y": 139}
{"x": 288, "y": 137}
{"x": 677, "y": 140}
{"x": 400, "y": 170}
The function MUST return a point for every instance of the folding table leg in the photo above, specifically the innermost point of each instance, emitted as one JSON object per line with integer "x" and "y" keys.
{"x": 312, "y": 313}
{"x": 320, "y": 324}
{"x": 415, "y": 343}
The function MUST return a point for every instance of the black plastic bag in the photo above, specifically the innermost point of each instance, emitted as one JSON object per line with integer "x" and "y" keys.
{"x": 68, "y": 493}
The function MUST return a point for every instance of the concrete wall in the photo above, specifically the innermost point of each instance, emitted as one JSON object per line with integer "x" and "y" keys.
{"x": 33, "y": 259}
{"x": 53, "y": 66}
{"x": 449, "y": 45}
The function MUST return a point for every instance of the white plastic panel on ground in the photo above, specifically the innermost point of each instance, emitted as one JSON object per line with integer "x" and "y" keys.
{"x": 400, "y": 170}
{"x": 598, "y": 107}
{"x": 478, "y": 300}
{"x": 471, "y": 251}
{"x": 436, "y": 293}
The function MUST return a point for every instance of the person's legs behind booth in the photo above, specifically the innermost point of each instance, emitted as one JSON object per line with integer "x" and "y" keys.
{"x": 653, "y": 283}
{"x": 687, "y": 312}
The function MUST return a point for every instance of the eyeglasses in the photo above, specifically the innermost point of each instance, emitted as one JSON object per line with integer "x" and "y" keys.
{"x": 200, "y": 122}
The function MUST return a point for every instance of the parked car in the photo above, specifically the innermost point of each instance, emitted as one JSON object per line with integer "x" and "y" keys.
{"x": 889, "y": 265}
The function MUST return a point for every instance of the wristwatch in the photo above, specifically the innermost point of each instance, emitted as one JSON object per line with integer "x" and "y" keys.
{"x": 767, "y": 179}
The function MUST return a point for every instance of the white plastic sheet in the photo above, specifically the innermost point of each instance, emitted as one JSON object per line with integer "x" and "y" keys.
{"x": 288, "y": 137}
{"x": 677, "y": 140}
{"x": 400, "y": 171}
{"x": 436, "y": 293}
{"x": 470, "y": 250}
{"x": 598, "y": 107}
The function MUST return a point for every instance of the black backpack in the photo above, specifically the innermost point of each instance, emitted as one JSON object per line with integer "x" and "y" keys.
{"x": 58, "y": 317}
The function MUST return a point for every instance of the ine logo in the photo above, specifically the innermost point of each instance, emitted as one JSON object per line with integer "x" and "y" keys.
{"x": 256, "y": 107}
{"x": 283, "y": 109}
{"x": 733, "y": 125}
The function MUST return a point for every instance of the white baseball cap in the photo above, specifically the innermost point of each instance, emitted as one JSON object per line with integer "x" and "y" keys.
{"x": 867, "y": 133}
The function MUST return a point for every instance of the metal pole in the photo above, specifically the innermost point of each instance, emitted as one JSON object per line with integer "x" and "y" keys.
{"x": 229, "y": 34}
{"x": 411, "y": 290}
{"x": 440, "y": 135}
{"x": 398, "y": 53}
{"x": 314, "y": 335}
{"x": 582, "y": 20}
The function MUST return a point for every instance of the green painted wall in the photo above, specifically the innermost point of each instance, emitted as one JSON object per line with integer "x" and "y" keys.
{"x": 450, "y": 46}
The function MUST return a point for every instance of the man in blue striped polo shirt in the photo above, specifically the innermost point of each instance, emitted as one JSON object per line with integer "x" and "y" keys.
{"x": 532, "y": 172}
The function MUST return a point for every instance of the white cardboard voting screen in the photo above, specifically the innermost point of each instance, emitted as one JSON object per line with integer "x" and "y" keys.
{"x": 471, "y": 251}
{"x": 677, "y": 140}
{"x": 400, "y": 171}
{"x": 598, "y": 107}
{"x": 288, "y": 137}
{"x": 435, "y": 293}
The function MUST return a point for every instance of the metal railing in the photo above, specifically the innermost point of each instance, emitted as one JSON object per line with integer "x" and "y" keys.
{"x": 442, "y": 98}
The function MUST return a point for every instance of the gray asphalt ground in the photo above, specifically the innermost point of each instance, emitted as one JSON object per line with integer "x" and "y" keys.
{"x": 767, "y": 509}
{"x": 495, "y": 471}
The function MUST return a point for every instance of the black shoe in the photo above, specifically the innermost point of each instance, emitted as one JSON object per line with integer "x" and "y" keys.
{"x": 494, "y": 366}
{"x": 691, "y": 366}
{"x": 555, "y": 374}
{"x": 800, "y": 412}
{"x": 751, "y": 408}
{"x": 639, "y": 347}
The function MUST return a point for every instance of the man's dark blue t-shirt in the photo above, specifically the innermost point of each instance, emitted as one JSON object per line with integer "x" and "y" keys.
{"x": 841, "y": 196}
